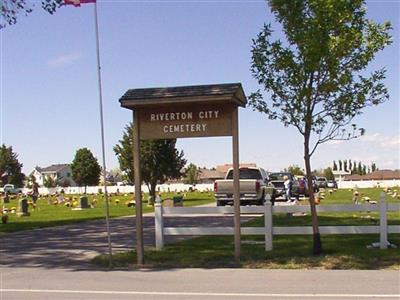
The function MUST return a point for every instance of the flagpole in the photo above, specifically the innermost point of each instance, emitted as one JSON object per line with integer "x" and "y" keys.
{"x": 102, "y": 137}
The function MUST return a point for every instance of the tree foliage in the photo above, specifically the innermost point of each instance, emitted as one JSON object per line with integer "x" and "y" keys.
{"x": 159, "y": 159}
{"x": 335, "y": 167}
{"x": 85, "y": 168}
{"x": 295, "y": 170}
{"x": 316, "y": 77}
{"x": 10, "y": 167}
{"x": 10, "y": 9}
{"x": 49, "y": 182}
{"x": 192, "y": 174}
{"x": 328, "y": 174}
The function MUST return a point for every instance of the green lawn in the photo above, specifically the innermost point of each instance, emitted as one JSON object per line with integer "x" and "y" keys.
{"x": 290, "y": 252}
{"x": 47, "y": 214}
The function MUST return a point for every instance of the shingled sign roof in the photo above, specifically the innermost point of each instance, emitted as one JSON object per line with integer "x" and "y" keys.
{"x": 231, "y": 92}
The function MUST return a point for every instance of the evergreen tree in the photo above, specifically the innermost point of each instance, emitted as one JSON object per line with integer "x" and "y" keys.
{"x": 345, "y": 166}
{"x": 354, "y": 171}
{"x": 340, "y": 166}
{"x": 359, "y": 168}
{"x": 335, "y": 168}
{"x": 10, "y": 167}
{"x": 364, "y": 170}
{"x": 159, "y": 160}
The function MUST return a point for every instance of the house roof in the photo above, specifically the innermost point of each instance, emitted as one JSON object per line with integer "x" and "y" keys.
{"x": 210, "y": 174}
{"x": 383, "y": 175}
{"x": 53, "y": 168}
{"x": 354, "y": 177}
{"x": 231, "y": 92}
{"x": 376, "y": 175}
{"x": 224, "y": 168}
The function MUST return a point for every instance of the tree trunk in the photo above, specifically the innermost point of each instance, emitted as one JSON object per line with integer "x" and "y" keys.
{"x": 152, "y": 193}
{"x": 317, "y": 245}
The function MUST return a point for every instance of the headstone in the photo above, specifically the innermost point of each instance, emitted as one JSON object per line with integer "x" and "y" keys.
{"x": 23, "y": 208}
{"x": 168, "y": 202}
{"x": 6, "y": 198}
{"x": 178, "y": 200}
{"x": 83, "y": 202}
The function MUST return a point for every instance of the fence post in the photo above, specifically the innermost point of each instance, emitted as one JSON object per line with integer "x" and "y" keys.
{"x": 159, "y": 223}
{"x": 268, "y": 222}
{"x": 383, "y": 229}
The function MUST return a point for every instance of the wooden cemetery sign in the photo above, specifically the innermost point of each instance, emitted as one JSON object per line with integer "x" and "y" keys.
{"x": 184, "y": 112}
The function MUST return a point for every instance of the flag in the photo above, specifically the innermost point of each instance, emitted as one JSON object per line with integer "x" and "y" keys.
{"x": 78, "y": 2}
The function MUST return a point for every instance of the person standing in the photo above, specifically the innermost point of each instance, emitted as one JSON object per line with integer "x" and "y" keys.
{"x": 35, "y": 192}
{"x": 288, "y": 188}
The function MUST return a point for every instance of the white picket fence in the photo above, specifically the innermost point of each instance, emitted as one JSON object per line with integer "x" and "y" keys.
{"x": 269, "y": 230}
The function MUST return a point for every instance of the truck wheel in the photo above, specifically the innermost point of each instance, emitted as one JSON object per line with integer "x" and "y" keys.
{"x": 220, "y": 203}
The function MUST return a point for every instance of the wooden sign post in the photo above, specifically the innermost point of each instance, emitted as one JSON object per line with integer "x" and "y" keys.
{"x": 183, "y": 112}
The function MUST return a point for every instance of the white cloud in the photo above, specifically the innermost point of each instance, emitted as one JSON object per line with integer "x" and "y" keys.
{"x": 335, "y": 142}
{"x": 384, "y": 141}
{"x": 63, "y": 60}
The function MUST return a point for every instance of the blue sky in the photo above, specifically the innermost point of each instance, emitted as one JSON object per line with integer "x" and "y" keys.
{"x": 49, "y": 94}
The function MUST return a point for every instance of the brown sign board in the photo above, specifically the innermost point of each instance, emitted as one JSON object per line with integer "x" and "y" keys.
{"x": 182, "y": 121}
{"x": 179, "y": 112}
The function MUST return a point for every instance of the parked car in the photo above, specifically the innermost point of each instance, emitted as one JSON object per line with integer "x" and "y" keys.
{"x": 322, "y": 182}
{"x": 303, "y": 190}
{"x": 332, "y": 184}
{"x": 11, "y": 189}
{"x": 252, "y": 184}
{"x": 277, "y": 181}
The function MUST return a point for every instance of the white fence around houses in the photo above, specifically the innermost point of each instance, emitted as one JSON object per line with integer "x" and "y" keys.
{"x": 368, "y": 183}
{"x": 269, "y": 230}
{"x": 126, "y": 189}
{"x": 181, "y": 187}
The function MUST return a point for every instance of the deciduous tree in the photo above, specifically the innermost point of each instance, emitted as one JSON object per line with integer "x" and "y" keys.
{"x": 85, "y": 168}
{"x": 316, "y": 77}
{"x": 49, "y": 182}
{"x": 10, "y": 9}
{"x": 328, "y": 174}
{"x": 295, "y": 170}
{"x": 192, "y": 174}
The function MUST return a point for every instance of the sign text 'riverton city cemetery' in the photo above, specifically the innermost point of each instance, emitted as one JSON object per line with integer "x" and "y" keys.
{"x": 186, "y": 121}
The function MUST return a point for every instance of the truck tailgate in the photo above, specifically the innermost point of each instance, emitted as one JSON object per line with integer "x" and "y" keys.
{"x": 246, "y": 186}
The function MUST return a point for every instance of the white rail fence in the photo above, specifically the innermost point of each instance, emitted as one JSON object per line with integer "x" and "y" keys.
{"x": 269, "y": 230}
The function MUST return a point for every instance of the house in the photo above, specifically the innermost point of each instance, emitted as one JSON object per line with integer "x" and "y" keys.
{"x": 60, "y": 173}
{"x": 376, "y": 175}
{"x": 210, "y": 175}
{"x": 341, "y": 175}
{"x": 224, "y": 168}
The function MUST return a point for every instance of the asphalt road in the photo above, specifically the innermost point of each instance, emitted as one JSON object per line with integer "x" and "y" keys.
{"x": 53, "y": 263}
{"x": 73, "y": 246}
{"x": 39, "y": 283}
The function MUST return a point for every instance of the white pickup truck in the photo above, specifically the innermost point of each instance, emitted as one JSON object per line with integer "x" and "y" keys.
{"x": 253, "y": 187}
